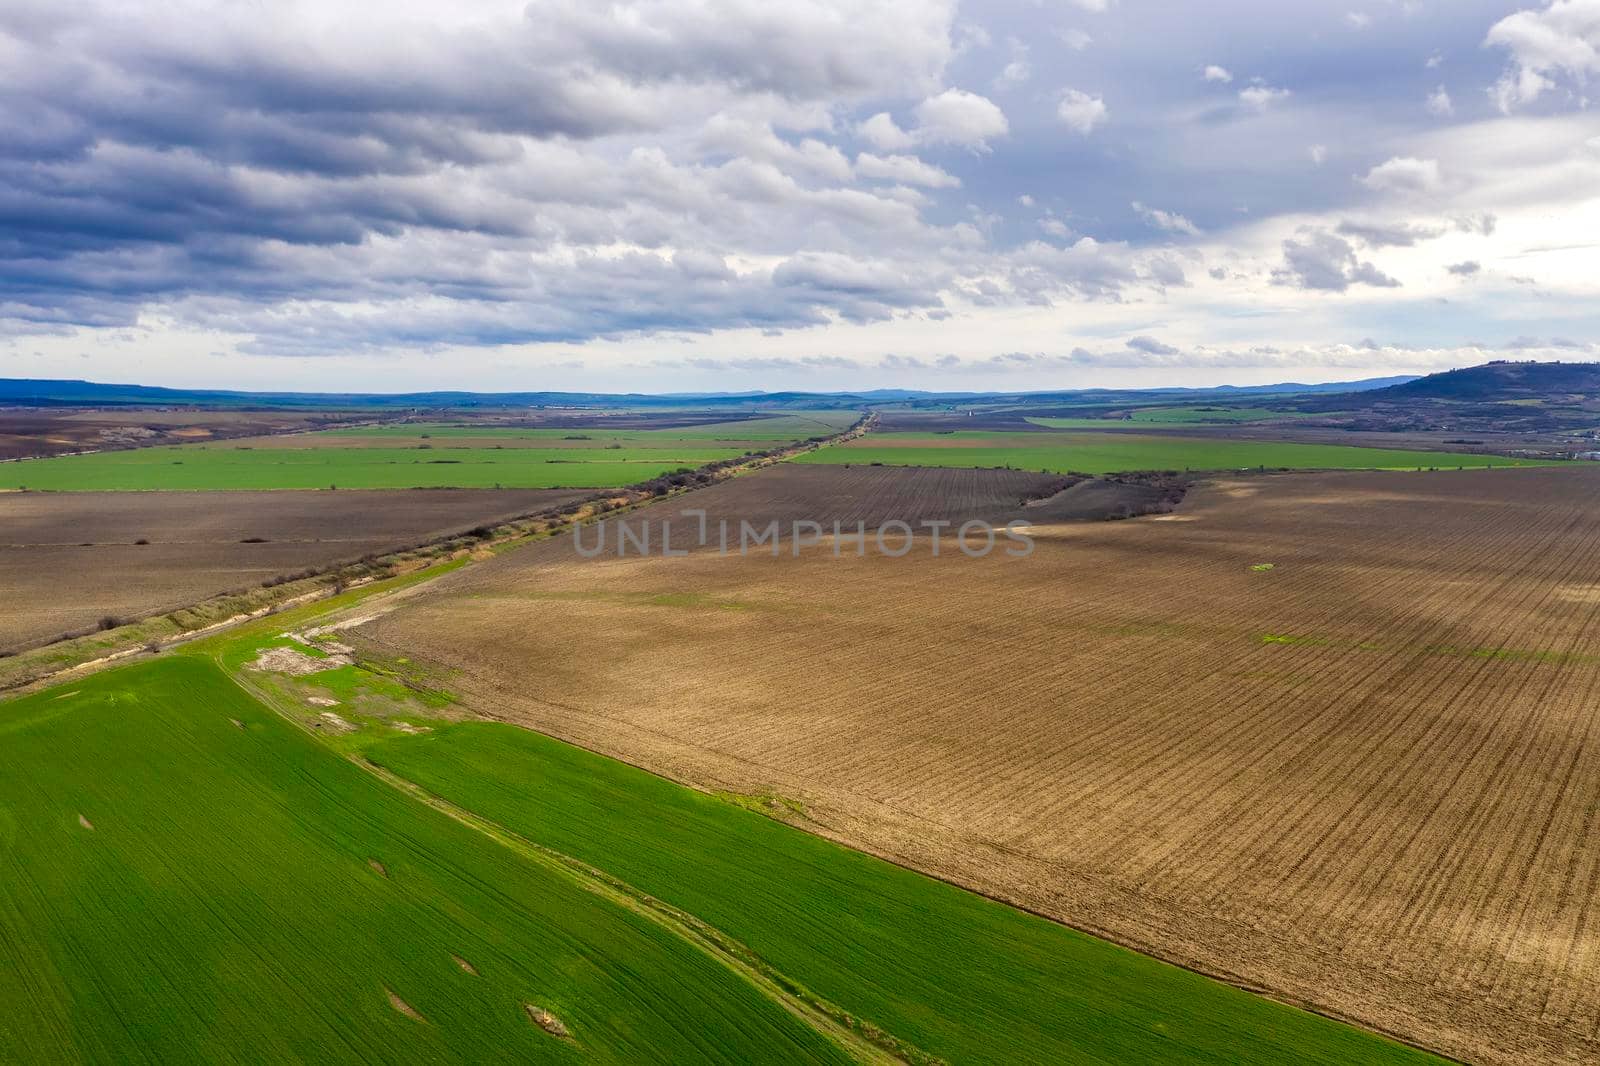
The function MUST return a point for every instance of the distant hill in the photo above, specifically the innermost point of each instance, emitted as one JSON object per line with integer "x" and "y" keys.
{"x": 1363, "y": 385}
{"x": 1499, "y": 382}
{"x": 40, "y": 392}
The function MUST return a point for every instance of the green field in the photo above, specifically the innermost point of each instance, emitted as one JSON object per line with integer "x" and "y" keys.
{"x": 1109, "y": 453}
{"x": 421, "y": 455}
{"x": 223, "y": 909}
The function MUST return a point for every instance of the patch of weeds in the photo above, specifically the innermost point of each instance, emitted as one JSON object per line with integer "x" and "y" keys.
{"x": 1514, "y": 654}
{"x": 1261, "y": 568}
{"x": 768, "y": 803}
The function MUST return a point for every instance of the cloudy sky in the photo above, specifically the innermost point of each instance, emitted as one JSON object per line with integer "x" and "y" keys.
{"x": 679, "y": 195}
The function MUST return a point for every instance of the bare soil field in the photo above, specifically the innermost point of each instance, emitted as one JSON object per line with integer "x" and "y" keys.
{"x": 28, "y": 432}
{"x": 1320, "y": 430}
{"x": 866, "y": 497}
{"x": 1507, "y": 443}
{"x": 68, "y": 560}
{"x": 1097, "y": 499}
{"x": 791, "y": 492}
{"x": 1330, "y": 736}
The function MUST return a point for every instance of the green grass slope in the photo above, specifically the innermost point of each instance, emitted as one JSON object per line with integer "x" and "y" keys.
{"x": 222, "y": 907}
{"x": 961, "y": 977}
{"x": 1092, "y": 453}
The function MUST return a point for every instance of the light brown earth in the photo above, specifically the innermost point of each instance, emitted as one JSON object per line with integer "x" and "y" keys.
{"x": 1367, "y": 780}
{"x": 294, "y": 663}
{"x": 402, "y": 1006}
{"x": 546, "y": 1021}
{"x": 26, "y": 431}
{"x": 69, "y": 559}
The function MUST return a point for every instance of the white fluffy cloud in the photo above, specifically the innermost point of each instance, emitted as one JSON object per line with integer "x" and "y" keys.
{"x": 1562, "y": 41}
{"x": 1404, "y": 174}
{"x": 958, "y": 117}
{"x": 906, "y": 169}
{"x": 1081, "y": 111}
{"x": 880, "y": 131}
{"x": 1166, "y": 220}
{"x": 953, "y": 117}
{"x": 1217, "y": 74}
{"x": 1261, "y": 97}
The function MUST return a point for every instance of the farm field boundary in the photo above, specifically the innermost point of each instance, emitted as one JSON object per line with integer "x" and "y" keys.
{"x": 1311, "y": 732}
{"x": 883, "y": 942}
{"x": 368, "y": 866}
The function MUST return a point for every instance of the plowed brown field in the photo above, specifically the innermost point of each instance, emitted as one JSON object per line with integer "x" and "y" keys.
{"x": 68, "y": 559}
{"x": 1366, "y": 779}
